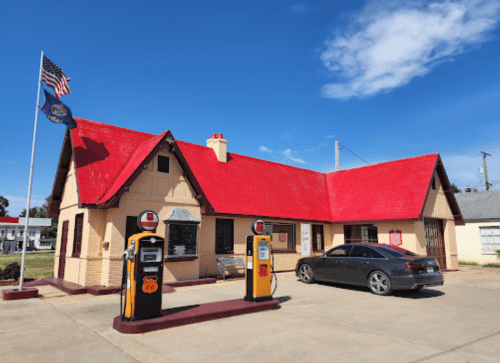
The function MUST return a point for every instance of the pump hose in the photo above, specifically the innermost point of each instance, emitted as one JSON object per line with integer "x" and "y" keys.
{"x": 124, "y": 281}
{"x": 273, "y": 275}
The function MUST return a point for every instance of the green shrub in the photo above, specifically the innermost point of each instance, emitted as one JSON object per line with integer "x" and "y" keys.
{"x": 468, "y": 263}
{"x": 492, "y": 265}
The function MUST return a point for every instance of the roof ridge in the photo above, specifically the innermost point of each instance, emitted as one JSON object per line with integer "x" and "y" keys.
{"x": 378, "y": 164}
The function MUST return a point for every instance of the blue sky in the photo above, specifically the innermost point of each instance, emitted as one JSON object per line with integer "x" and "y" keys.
{"x": 282, "y": 80}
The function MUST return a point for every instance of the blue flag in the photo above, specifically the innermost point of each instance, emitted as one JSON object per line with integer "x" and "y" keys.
{"x": 56, "y": 111}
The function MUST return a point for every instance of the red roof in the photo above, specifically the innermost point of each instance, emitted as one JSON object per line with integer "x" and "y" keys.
{"x": 392, "y": 190}
{"x": 250, "y": 186}
{"x": 108, "y": 158}
{"x": 9, "y": 220}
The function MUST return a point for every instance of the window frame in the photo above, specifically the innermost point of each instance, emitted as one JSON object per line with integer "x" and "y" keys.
{"x": 489, "y": 235}
{"x": 224, "y": 222}
{"x": 348, "y": 228}
{"x": 167, "y": 164}
{"x": 78, "y": 235}
{"x": 167, "y": 256}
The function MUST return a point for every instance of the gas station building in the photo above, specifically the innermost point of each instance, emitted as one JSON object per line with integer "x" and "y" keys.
{"x": 108, "y": 175}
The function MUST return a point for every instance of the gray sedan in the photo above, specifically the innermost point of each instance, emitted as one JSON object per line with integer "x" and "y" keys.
{"x": 382, "y": 268}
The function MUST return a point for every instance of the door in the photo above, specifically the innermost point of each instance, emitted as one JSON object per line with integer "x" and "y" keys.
{"x": 434, "y": 240}
{"x": 62, "y": 256}
{"x": 332, "y": 267}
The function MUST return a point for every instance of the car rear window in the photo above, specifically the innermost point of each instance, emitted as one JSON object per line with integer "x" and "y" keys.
{"x": 400, "y": 252}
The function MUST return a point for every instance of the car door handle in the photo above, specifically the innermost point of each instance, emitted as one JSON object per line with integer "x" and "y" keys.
{"x": 366, "y": 263}
{"x": 339, "y": 261}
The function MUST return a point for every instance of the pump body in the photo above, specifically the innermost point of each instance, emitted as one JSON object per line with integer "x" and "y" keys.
{"x": 144, "y": 257}
{"x": 258, "y": 276}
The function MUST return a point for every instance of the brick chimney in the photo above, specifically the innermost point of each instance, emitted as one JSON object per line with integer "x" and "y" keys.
{"x": 219, "y": 145}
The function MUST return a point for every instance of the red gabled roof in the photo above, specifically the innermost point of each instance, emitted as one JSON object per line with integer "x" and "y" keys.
{"x": 101, "y": 152}
{"x": 392, "y": 190}
{"x": 108, "y": 158}
{"x": 250, "y": 186}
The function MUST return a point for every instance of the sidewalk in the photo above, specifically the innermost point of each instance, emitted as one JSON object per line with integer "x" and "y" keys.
{"x": 458, "y": 322}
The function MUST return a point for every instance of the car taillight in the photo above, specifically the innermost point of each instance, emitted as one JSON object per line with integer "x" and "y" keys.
{"x": 413, "y": 265}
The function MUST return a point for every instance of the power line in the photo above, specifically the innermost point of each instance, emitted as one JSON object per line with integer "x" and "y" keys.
{"x": 359, "y": 157}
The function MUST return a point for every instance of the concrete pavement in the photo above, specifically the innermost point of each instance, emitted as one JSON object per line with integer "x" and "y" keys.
{"x": 459, "y": 322}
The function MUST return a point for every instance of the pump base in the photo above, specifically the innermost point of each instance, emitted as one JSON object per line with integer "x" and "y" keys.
{"x": 193, "y": 314}
{"x": 258, "y": 298}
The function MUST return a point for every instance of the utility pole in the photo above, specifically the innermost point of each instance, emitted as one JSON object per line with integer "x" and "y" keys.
{"x": 336, "y": 155}
{"x": 485, "y": 170}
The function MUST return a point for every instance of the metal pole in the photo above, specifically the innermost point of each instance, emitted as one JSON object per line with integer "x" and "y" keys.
{"x": 486, "y": 170}
{"x": 336, "y": 156}
{"x": 31, "y": 176}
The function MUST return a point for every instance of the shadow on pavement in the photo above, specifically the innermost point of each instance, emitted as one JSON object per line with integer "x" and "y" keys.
{"x": 283, "y": 299}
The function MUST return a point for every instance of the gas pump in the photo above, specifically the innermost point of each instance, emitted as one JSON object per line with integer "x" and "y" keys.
{"x": 260, "y": 269}
{"x": 144, "y": 271}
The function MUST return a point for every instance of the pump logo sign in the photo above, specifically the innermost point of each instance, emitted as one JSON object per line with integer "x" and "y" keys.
{"x": 147, "y": 220}
{"x": 258, "y": 227}
{"x": 262, "y": 270}
{"x": 150, "y": 284}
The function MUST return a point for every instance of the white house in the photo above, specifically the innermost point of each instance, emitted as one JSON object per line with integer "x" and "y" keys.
{"x": 479, "y": 238}
{"x": 12, "y": 233}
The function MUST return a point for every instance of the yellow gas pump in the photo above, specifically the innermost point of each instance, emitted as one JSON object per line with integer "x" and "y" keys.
{"x": 259, "y": 267}
{"x": 144, "y": 272}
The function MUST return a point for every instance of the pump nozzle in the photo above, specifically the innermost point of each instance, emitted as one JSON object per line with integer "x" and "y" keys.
{"x": 130, "y": 251}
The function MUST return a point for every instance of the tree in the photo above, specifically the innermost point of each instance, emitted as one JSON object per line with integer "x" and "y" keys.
{"x": 455, "y": 189}
{"x": 4, "y": 203}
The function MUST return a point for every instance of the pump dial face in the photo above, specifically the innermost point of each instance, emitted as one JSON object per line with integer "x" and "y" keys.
{"x": 258, "y": 226}
{"x": 147, "y": 220}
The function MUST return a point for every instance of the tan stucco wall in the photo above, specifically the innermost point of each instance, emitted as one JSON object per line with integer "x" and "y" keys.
{"x": 437, "y": 206}
{"x": 160, "y": 192}
{"x": 469, "y": 243}
{"x": 68, "y": 210}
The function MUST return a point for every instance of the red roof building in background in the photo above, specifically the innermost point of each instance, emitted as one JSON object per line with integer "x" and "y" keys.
{"x": 109, "y": 159}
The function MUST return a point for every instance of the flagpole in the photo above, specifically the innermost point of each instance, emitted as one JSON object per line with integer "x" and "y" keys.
{"x": 31, "y": 175}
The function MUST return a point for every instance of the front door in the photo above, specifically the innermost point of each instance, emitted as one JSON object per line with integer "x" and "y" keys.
{"x": 62, "y": 256}
{"x": 434, "y": 240}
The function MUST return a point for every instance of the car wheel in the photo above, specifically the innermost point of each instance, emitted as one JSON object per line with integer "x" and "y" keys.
{"x": 379, "y": 283}
{"x": 306, "y": 273}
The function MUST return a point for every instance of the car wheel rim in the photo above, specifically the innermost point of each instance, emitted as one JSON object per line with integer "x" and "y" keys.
{"x": 305, "y": 273}
{"x": 379, "y": 283}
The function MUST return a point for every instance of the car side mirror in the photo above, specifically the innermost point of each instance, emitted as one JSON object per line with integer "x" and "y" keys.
{"x": 323, "y": 254}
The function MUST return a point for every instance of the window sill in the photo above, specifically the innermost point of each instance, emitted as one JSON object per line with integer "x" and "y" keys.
{"x": 225, "y": 253}
{"x": 75, "y": 255}
{"x": 319, "y": 251}
{"x": 180, "y": 259}
{"x": 283, "y": 251}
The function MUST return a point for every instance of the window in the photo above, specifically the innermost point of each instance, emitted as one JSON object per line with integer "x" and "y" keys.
{"x": 360, "y": 234}
{"x": 13, "y": 232}
{"x": 20, "y": 232}
{"x": 182, "y": 240}
{"x": 163, "y": 164}
{"x": 224, "y": 236}
{"x": 318, "y": 238}
{"x": 399, "y": 252}
{"x": 341, "y": 251}
{"x": 2, "y": 232}
{"x": 77, "y": 241}
{"x": 283, "y": 237}
{"x": 433, "y": 183}
{"x": 364, "y": 252}
{"x": 490, "y": 240}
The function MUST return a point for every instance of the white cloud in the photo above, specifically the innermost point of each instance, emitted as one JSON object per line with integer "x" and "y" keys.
{"x": 288, "y": 154}
{"x": 266, "y": 150}
{"x": 388, "y": 45}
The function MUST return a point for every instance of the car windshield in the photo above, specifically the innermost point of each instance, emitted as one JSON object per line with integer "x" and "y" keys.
{"x": 399, "y": 252}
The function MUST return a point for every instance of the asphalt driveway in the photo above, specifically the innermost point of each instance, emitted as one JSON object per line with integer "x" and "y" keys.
{"x": 458, "y": 322}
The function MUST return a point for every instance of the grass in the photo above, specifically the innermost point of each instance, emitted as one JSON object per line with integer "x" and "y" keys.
{"x": 497, "y": 265}
{"x": 38, "y": 265}
{"x": 468, "y": 263}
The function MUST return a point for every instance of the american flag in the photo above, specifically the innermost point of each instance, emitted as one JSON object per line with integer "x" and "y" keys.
{"x": 55, "y": 78}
